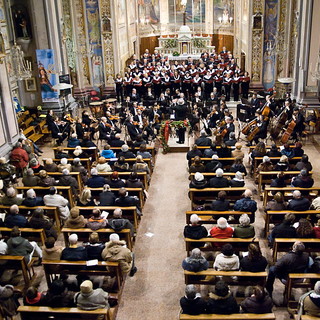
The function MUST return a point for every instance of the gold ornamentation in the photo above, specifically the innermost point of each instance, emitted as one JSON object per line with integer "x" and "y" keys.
{"x": 281, "y": 36}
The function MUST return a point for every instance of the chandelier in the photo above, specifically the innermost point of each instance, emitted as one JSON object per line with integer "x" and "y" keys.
{"x": 225, "y": 19}
{"x": 21, "y": 67}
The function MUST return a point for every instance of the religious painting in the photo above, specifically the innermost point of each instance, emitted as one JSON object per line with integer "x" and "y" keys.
{"x": 257, "y": 22}
{"x": 95, "y": 45}
{"x": 194, "y": 10}
{"x": 47, "y": 75}
{"x": 149, "y": 11}
{"x": 21, "y": 21}
{"x": 30, "y": 84}
{"x": 270, "y": 35}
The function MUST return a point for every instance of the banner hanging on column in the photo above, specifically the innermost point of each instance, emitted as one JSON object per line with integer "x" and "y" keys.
{"x": 47, "y": 75}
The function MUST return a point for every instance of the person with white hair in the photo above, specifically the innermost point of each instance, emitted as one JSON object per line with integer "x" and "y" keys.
{"x": 115, "y": 140}
{"x": 198, "y": 181}
{"x": 117, "y": 251}
{"x": 67, "y": 180}
{"x": 13, "y": 218}
{"x": 29, "y": 179}
{"x": 246, "y": 204}
{"x": 222, "y": 230}
{"x": 203, "y": 140}
{"x": 195, "y": 263}
{"x": 265, "y": 165}
{"x": 237, "y": 181}
{"x": 303, "y": 180}
{"x": 232, "y": 140}
{"x": 192, "y": 303}
{"x": 53, "y": 199}
{"x": 64, "y": 165}
{"x": 219, "y": 181}
{"x": 117, "y": 223}
{"x": 214, "y": 164}
{"x": 95, "y": 181}
{"x": 11, "y": 198}
{"x": 244, "y": 229}
{"x": 298, "y": 203}
{"x": 125, "y": 152}
{"x": 74, "y": 252}
{"x": 195, "y": 230}
{"x": 295, "y": 261}
{"x": 309, "y": 303}
{"x": 73, "y": 141}
{"x": 106, "y": 197}
{"x": 32, "y": 200}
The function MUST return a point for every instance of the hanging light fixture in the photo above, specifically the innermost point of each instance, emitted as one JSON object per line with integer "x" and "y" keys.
{"x": 226, "y": 19}
{"x": 21, "y": 67}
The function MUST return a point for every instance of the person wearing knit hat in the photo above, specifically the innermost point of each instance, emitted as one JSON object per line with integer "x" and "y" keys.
{"x": 221, "y": 230}
{"x": 309, "y": 302}
{"x": 295, "y": 261}
{"x": 91, "y": 299}
{"x": 198, "y": 181}
{"x": 74, "y": 252}
{"x": 75, "y": 221}
{"x": 64, "y": 165}
{"x": 116, "y": 250}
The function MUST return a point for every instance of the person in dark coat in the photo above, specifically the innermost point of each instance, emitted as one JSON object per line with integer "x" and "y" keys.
{"x": 96, "y": 181}
{"x": 67, "y": 180}
{"x": 297, "y": 150}
{"x": 258, "y": 302}
{"x": 303, "y": 180}
{"x": 198, "y": 181}
{"x": 195, "y": 230}
{"x": 73, "y": 252}
{"x": 195, "y": 263}
{"x": 115, "y": 141}
{"x": 221, "y": 203}
{"x": 126, "y": 153}
{"x": 192, "y": 303}
{"x": 117, "y": 223}
{"x": 181, "y": 110}
{"x": 58, "y": 296}
{"x": 274, "y": 151}
{"x": 246, "y": 204}
{"x": 94, "y": 247}
{"x": 285, "y": 229}
{"x": 238, "y": 166}
{"x": 14, "y": 218}
{"x": 221, "y": 301}
{"x": 298, "y": 203}
{"x": 114, "y": 181}
{"x": 295, "y": 261}
{"x": 32, "y": 200}
{"x": 254, "y": 261}
{"x": 214, "y": 164}
{"x": 107, "y": 197}
{"x": 304, "y": 163}
{"x": 219, "y": 181}
{"x": 279, "y": 181}
{"x": 39, "y": 221}
{"x": 125, "y": 200}
{"x": 30, "y": 180}
{"x": 203, "y": 140}
{"x": 237, "y": 181}
{"x": 133, "y": 181}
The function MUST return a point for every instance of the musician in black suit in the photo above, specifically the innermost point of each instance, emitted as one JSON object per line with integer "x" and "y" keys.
{"x": 58, "y": 131}
{"x": 181, "y": 110}
{"x": 132, "y": 129}
{"x": 134, "y": 96}
{"x": 104, "y": 129}
{"x": 254, "y": 104}
{"x": 263, "y": 129}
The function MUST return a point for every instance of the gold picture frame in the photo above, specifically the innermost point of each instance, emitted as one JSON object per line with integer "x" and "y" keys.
{"x": 31, "y": 84}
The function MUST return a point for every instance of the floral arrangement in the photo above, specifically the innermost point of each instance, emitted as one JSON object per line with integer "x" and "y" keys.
{"x": 170, "y": 43}
{"x": 176, "y": 54}
{"x": 198, "y": 43}
{"x": 166, "y": 129}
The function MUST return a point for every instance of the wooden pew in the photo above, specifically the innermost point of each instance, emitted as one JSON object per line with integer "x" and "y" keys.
{"x": 86, "y": 162}
{"x": 19, "y": 263}
{"x": 226, "y": 162}
{"x": 131, "y": 191}
{"x": 210, "y": 175}
{"x": 31, "y": 234}
{"x": 58, "y": 175}
{"x": 83, "y": 235}
{"x": 239, "y": 244}
{"x": 22, "y": 116}
{"x": 132, "y": 162}
{"x": 251, "y": 148}
{"x": 269, "y": 214}
{"x": 150, "y": 149}
{"x": 125, "y": 175}
{"x": 211, "y": 193}
{"x": 52, "y": 212}
{"x": 129, "y": 213}
{"x": 265, "y": 177}
{"x": 103, "y": 268}
{"x": 287, "y": 192}
{"x": 244, "y": 277}
{"x": 39, "y": 313}
{"x": 235, "y": 316}
{"x": 207, "y": 215}
{"x": 284, "y": 244}
{"x": 92, "y": 151}
{"x": 66, "y": 192}
{"x": 292, "y": 161}
{"x": 32, "y": 134}
{"x": 297, "y": 280}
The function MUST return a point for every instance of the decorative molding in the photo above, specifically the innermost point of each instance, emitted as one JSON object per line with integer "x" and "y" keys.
{"x": 293, "y": 37}
{"x": 281, "y": 41}
{"x": 257, "y": 44}
{"x": 107, "y": 43}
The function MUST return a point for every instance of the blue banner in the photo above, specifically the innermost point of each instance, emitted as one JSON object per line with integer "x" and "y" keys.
{"x": 47, "y": 75}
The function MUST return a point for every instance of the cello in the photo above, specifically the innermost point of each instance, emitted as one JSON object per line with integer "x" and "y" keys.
{"x": 278, "y": 124}
{"x": 286, "y": 135}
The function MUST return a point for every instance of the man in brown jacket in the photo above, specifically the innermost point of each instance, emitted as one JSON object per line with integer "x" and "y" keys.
{"x": 50, "y": 251}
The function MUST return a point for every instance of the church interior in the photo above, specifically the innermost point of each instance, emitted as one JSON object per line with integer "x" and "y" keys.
{"x": 158, "y": 159}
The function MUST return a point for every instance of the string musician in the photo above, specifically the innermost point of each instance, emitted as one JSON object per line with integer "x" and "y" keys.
{"x": 58, "y": 130}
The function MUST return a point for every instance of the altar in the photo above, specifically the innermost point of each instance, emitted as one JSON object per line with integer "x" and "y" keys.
{"x": 184, "y": 44}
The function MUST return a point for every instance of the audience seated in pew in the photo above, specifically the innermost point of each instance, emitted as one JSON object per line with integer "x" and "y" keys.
{"x": 237, "y": 152}
{"x": 254, "y": 261}
{"x": 94, "y": 247}
{"x": 50, "y": 166}
{"x": 277, "y": 204}
{"x": 51, "y": 251}
{"x": 203, "y": 140}
{"x": 74, "y": 252}
{"x": 141, "y": 166}
{"x": 304, "y": 163}
{"x": 226, "y": 260}
{"x": 238, "y": 166}
{"x": 11, "y": 198}
{"x": 221, "y": 230}
{"x": 53, "y": 199}
{"x": 96, "y": 181}
{"x": 79, "y": 153}
{"x": 125, "y": 152}
{"x": 274, "y": 151}
{"x": 198, "y": 181}
{"x": 96, "y": 220}
{"x": 85, "y": 199}
{"x": 75, "y": 221}
{"x": 78, "y": 167}
{"x": 39, "y": 221}
{"x": 35, "y": 165}
{"x": 115, "y": 140}
{"x": 237, "y": 180}
{"x": 304, "y": 229}
{"x": 214, "y": 164}
{"x": 282, "y": 164}
{"x": 133, "y": 181}
{"x": 124, "y": 200}
{"x": 121, "y": 165}
{"x": 32, "y": 200}
{"x": 107, "y": 153}
{"x": 58, "y": 295}
{"x": 287, "y": 151}
{"x": 103, "y": 165}
{"x": 279, "y": 181}
{"x": 73, "y": 141}
{"x": 309, "y": 303}
{"x": 34, "y": 298}
{"x": 193, "y": 153}
{"x": 29, "y": 179}
{"x": 265, "y": 165}
{"x": 195, "y": 263}
{"x": 303, "y": 180}
{"x": 298, "y": 203}
{"x": 192, "y": 303}
{"x": 107, "y": 197}
{"x": 114, "y": 181}
{"x": 195, "y": 230}
{"x": 117, "y": 223}
{"x": 221, "y": 203}
{"x": 64, "y": 165}
{"x": 143, "y": 152}
{"x": 224, "y": 151}
{"x": 246, "y": 204}
{"x": 244, "y": 229}
{"x": 13, "y": 218}
{"x": 219, "y": 181}
{"x": 196, "y": 165}
{"x": 9, "y": 301}
{"x": 316, "y": 229}
{"x": 46, "y": 180}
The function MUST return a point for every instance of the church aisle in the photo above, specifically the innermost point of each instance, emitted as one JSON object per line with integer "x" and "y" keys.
{"x": 155, "y": 290}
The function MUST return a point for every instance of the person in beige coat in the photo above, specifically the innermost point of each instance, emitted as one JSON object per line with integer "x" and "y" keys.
{"x": 50, "y": 251}
{"x": 117, "y": 251}
{"x": 238, "y": 153}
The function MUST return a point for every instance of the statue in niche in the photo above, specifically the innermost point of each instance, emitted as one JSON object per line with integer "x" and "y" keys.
{"x": 106, "y": 24}
{"x": 22, "y": 27}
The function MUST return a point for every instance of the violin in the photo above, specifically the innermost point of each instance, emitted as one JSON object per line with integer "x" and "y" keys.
{"x": 113, "y": 117}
